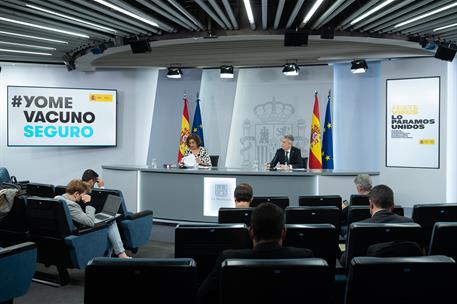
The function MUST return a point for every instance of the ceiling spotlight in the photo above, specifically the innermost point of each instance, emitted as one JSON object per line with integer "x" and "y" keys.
{"x": 291, "y": 69}
{"x": 174, "y": 72}
{"x": 359, "y": 66}
{"x": 226, "y": 71}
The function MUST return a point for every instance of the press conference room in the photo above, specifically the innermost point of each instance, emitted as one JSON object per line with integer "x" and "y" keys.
{"x": 228, "y": 151}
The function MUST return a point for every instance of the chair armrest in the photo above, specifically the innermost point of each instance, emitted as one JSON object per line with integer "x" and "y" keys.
{"x": 137, "y": 215}
{"x": 97, "y": 226}
{"x": 7, "y": 251}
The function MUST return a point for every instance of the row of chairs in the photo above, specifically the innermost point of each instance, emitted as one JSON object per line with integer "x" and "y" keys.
{"x": 420, "y": 280}
{"x": 204, "y": 243}
{"x": 135, "y": 228}
{"x": 47, "y": 222}
{"x": 426, "y": 215}
{"x": 303, "y": 215}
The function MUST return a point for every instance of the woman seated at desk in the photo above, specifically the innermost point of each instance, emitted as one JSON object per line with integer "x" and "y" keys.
{"x": 201, "y": 153}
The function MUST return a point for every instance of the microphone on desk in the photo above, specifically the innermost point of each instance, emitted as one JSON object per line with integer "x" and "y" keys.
{"x": 274, "y": 160}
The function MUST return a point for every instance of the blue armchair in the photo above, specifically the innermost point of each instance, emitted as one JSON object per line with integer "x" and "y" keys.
{"x": 59, "y": 242}
{"x": 17, "y": 266}
{"x": 135, "y": 228}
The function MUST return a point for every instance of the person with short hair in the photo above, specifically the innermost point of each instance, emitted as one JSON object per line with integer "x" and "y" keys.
{"x": 201, "y": 154}
{"x": 381, "y": 199}
{"x": 243, "y": 195}
{"x": 91, "y": 177}
{"x": 287, "y": 156}
{"x": 76, "y": 191}
{"x": 382, "y": 205}
{"x": 267, "y": 232}
{"x": 363, "y": 185}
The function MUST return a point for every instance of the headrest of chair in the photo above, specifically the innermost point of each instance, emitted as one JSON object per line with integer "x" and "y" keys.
{"x": 434, "y": 259}
{"x": 445, "y": 224}
{"x": 210, "y": 226}
{"x": 310, "y": 226}
{"x": 358, "y": 225}
{"x": 311, "y": 208}
{"x": 274, "y": 262}
{"x": 181, "y": 262}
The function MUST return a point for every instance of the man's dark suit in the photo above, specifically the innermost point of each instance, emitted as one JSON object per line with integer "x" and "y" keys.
{"x": 209, "y": 290}
{"x": 294, "y": 158}
{"x": 384, "y": 217}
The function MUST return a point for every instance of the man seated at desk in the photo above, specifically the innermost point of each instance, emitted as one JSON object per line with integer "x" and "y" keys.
{"x": 287, "y": 156}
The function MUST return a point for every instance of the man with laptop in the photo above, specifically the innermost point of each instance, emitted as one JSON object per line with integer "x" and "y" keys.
{"x": 77, "y": 191}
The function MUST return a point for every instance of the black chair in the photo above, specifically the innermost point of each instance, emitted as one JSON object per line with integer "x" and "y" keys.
{"x": 235, "y": 216}
{"x": 359, "y": 213}
{"x": 313, "y": 215}
{"x": 214, "y": 160}
{"x": 136, "y": 281}
{"x": 13, "y": 228}
{"x": 58, "y": 241}
{"x": 204, "y": 243}
{"x": 363, "y": 235}
{"x": 135, "y": 228}
{"x": 275, "y": 281}
{"x": 305, "y": 162}
{"x": 320, "y": 200}
{"x": 428, "y": 215}
{"x": 322, "y": 239}
{"x": 281, "y": 201}
{"x": 418, "y": 280}
{"x": 359, "y": 200}
{"x": 59, "y": 190}
{"x": 444, "y": 240}
{"x": 41, "y": 190}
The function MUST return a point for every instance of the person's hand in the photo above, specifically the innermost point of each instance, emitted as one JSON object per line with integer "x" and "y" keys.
{"x": 344, "y": 204}
{"x": 100, "y": 182}
{"x": 86, "y": 198}
{"x": 199, "y": 161}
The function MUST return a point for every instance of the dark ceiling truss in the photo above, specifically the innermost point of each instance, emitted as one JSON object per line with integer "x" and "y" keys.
{"x": 74, "y": 27}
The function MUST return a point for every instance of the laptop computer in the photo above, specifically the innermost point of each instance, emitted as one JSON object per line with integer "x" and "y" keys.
{"x": 110, "y": 209}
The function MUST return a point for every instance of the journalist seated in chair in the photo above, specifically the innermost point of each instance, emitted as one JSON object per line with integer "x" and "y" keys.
{"x": 363, "y": 186}
{"x": 287, "y": 156}
{"x": 267, "y": 232}
{"x": 195, "y": 150}
{"x": 92, "y": 178}
{"x": 381, "y": 199}
{"x": 243, "y": 195}
{"x": 84, "y": 214}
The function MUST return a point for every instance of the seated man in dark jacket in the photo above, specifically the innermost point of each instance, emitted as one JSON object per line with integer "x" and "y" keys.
{"x": 381, "y": 200}
{"x": 267, "y": 232}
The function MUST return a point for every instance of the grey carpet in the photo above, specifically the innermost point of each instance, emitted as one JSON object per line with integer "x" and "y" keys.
{"x": 73, "y": 292}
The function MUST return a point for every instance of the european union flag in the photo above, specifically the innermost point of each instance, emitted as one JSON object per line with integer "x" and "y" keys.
{"x": 197, "y": 126}
{"x": 327, "y": 144}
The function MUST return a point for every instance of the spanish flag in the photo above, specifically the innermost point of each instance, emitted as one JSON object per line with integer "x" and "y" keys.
{"x": 315, "y": 147}
{"x": 185, "y": 131}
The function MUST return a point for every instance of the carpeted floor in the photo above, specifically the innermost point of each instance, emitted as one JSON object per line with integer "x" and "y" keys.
{"x": 73, "y": 293}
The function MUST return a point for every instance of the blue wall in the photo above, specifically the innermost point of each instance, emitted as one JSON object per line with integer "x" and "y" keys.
{"x": 356, "y": 119}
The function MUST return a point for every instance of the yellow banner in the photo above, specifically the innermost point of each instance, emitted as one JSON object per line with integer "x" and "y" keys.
{"x": 427, "y": 141}
{"x": 101, "y": 97}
